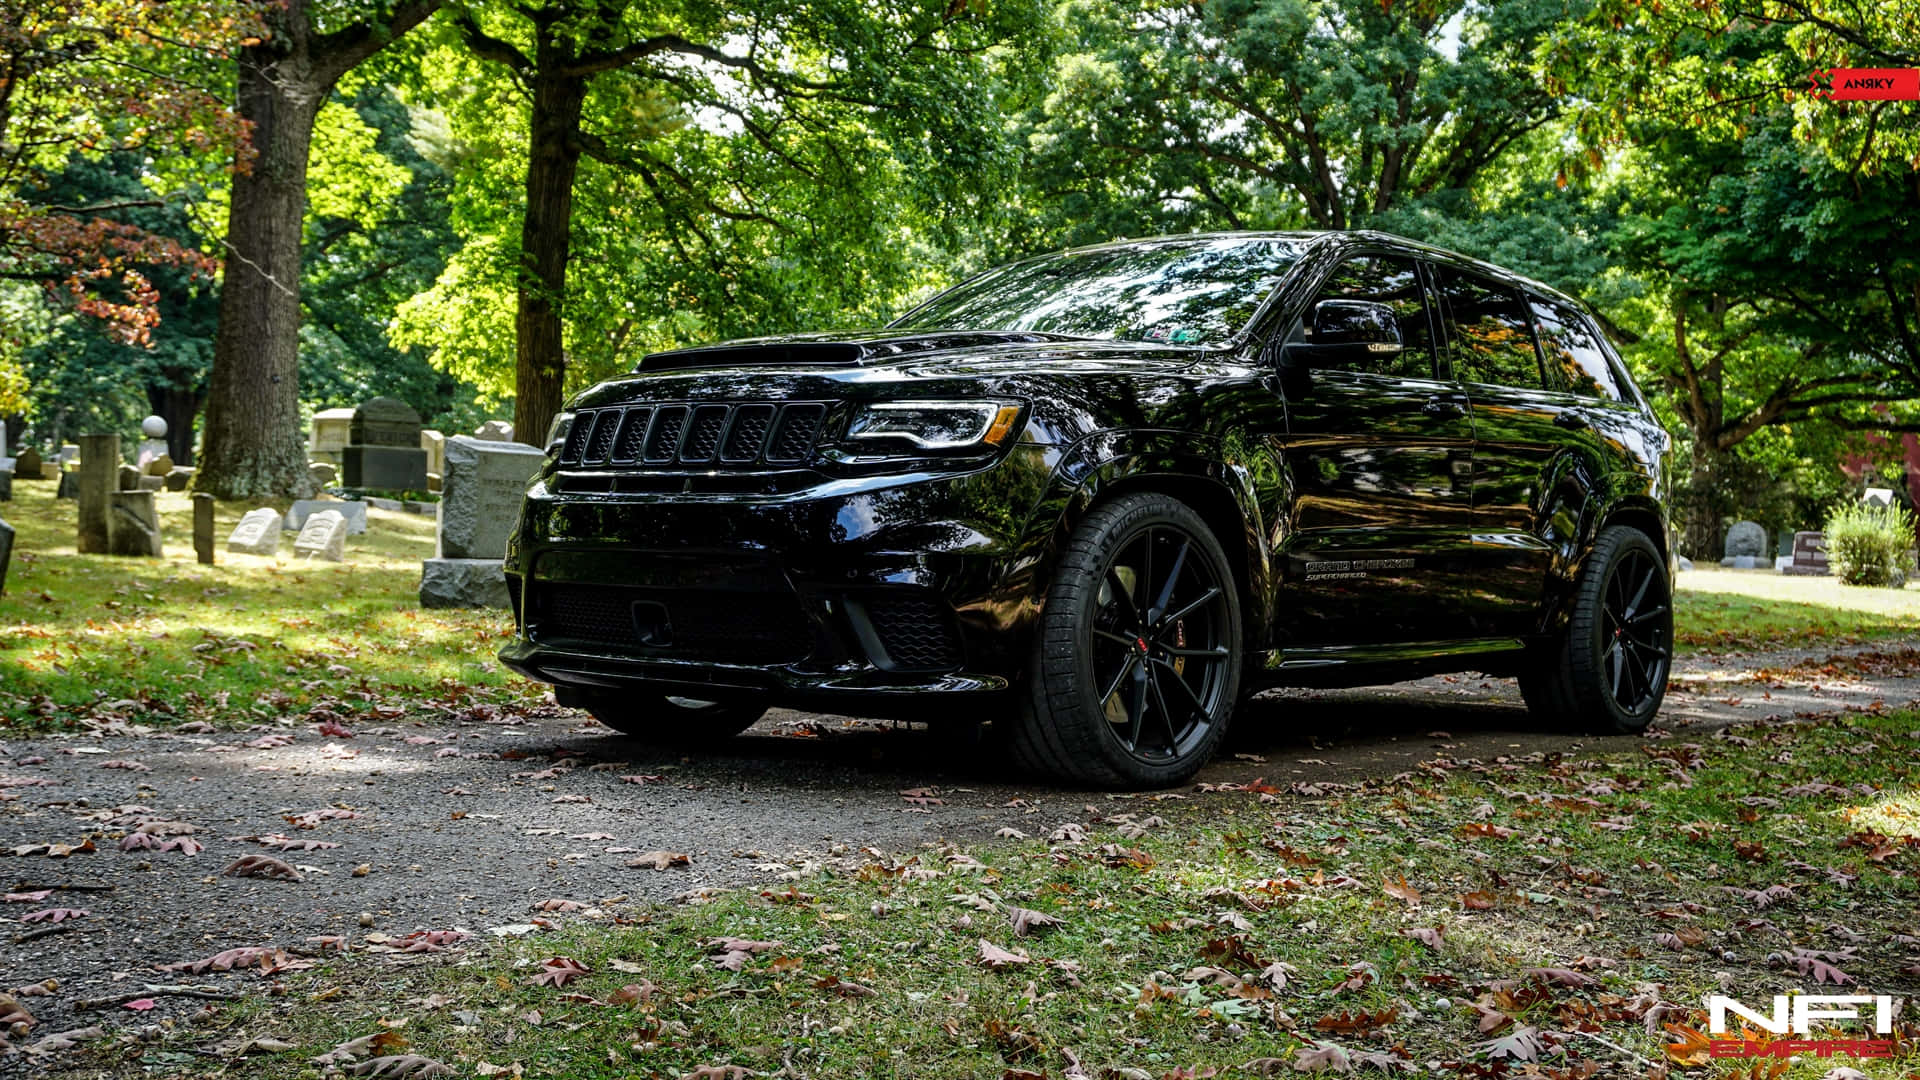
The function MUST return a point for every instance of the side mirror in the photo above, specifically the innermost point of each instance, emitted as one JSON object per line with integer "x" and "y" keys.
{"x": 1356, "y": 322}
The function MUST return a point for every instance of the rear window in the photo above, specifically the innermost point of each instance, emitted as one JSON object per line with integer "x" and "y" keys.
{"x": 1575, "y": 359}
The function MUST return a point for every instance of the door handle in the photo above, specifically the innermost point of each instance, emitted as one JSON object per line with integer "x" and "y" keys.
{"x": 1444, "y": 405}
{"x": 1572, "y": 421}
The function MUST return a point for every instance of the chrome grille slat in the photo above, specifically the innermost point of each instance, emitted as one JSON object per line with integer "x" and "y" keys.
{"x": 693, "y": 434}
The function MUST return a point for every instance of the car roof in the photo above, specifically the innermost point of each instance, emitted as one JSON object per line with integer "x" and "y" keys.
{"x": 1342, "y": 238}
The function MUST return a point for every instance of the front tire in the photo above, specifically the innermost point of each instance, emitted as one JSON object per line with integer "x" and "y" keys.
{"x": 666, "y": 720}
{"x": 1607, "y": 674}
{"x": 1137, "y": 658}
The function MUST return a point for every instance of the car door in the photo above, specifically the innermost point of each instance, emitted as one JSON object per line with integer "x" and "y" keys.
{"x": 1380, "y": 456}
{"x": 1521, "y": 426}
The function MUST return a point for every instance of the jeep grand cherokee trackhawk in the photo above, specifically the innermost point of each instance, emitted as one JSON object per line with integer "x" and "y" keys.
{"x": 1098, "y": 497}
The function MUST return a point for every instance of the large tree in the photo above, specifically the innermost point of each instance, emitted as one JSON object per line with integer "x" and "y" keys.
{"x": 252, "y": 446}
{"x": 728, "y": 141}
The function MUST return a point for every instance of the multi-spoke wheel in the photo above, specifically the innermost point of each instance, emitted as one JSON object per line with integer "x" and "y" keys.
{"x": 1609, "y": 672}
{"x": 1138, "y": 657}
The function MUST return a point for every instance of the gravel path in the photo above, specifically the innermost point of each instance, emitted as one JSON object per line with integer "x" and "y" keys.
{"x": 468, "y": 824}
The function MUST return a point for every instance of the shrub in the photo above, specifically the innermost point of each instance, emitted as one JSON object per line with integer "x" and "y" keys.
{"x": 1867, "y": 545}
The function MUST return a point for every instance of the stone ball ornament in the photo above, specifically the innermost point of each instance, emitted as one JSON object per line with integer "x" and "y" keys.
{"x": 153, "y": 427}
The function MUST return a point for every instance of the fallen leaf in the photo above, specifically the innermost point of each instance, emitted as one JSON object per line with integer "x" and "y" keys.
{"x": 660, "y": 860}
{"x": 558, "y": 971}
{"x": 997, "y": 958}
{"x": 261, "y": 866}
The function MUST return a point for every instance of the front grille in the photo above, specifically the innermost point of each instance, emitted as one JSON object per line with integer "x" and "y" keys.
{"x": 721, "y": 625}
{"x": 660, "y": 436}
{"x": 915, "y": 629}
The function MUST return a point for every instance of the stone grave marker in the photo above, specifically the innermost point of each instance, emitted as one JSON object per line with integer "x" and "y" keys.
{"x": 383, "y": 448}
{"x": 153, "y": 445}
{"x": 479, "y": 506}
{"x": 435, "y": 444}
{"x": 180, "y": 477}
{"x": 126, "y": 478}
{"x": 133, "y": 524}
{"x": 494, "y": 431}
{"x": 1746, "y": 543}
{"x": 158, "y": 465}
{"x": 203, "y": 528}
{"x": 331, "y": 428}
{"x": 99, "y": 477}
{"x": 354, "y": 511}
{"x": 1809, "y": 554}
{"x": 28, "y": 465}
{"x": 6, "y": 553}
{"x": 257, "y": 534}
{"x": 323, "y": 474}
{"x": 323, "y": 537}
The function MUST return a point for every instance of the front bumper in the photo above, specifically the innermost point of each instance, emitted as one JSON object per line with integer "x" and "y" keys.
{"x": 852, "y": 595}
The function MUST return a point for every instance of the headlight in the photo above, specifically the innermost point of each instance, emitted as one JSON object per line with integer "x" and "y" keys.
{"x": 557, "y": 432}
{"x": 935, "y": 425}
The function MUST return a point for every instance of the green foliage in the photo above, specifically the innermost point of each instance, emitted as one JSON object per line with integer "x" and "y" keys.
{"x": 1867, "y": 545}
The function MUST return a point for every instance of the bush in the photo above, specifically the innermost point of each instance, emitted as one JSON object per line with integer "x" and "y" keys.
{"x": 1867, "y": 545}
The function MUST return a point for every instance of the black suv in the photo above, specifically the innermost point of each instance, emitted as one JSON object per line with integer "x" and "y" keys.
{"x": 1098, "y": 497}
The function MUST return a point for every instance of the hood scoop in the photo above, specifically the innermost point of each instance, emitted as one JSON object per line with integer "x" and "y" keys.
{"x": 837, "y": 350}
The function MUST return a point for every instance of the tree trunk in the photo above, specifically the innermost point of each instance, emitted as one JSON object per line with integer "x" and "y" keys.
{"x": 253, "y": 447}
{"x": 540, "y": 367}
{"x": 1701, "y": 540}
{"x": 178, "y": 406}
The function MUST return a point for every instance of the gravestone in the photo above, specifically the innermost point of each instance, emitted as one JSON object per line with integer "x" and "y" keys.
{"x": 435, "y": 444}
{"x": 324, "y": 475}
{"x": 354, "y": 512}
{"x": 153, "y": 445}
{"x": 479, "y": 507}
{"x": 69, "y": 485}
{"x": 383, "y": 448}
{"x": 331, "y": 428}
{"x": 257, "y": 534}
{"x": 323, "y": 537}
{"x": 28, "y": 465}
{"x": 133, "y": 524}
{"x": 203, "y": 528}
{"x": 1809, "y": 554}
{"x": 6, "y": 485}
{"x": 180, "y": 477}
{"x": 159, "y": 465}
{"x": 127, "y": 478}
{"x": 1746, "y": 543}
{"x": 494, "y": 431}
{"x": 6, "y": 553}
{"x": 99, "y": 478}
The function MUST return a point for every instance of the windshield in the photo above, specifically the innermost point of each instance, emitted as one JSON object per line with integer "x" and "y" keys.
{"x": 1182, "y": 292}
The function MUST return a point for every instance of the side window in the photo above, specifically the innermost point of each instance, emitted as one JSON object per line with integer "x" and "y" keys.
{"x": 1392, "y": 280}
{"x": 1488, "y": 332}
{"x": 1571, "y": 347}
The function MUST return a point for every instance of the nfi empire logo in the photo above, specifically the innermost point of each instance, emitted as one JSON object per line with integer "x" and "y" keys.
{"x": 1795, "y": 1016}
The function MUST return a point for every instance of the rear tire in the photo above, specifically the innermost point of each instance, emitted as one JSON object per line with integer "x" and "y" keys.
{"x": 1607, "y": 673}
{"x": 673, "y": 721}
{"x": 1137, "y": 656}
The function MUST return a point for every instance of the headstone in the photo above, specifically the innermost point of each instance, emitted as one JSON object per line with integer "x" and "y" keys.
{"x": 127, "y": 478}
{"x": 1685, "y": 564}
{"x": 434, "y": 481}
{"x": 458, "y": 583}
{"x": 1745, "y": 540}
{"x": 480, "y": 502}
{"x": 99, "y": 478}
{"x": 28, "y": 465}
{"x": 324, "y": 474}
{"x": 153, "y": 445}
{"x": 69, "y": 453}
{"x": 159, "y": 465}
{"x": 323, "y": 537}
{"x": 383, "y": 448}
{"x": 203, "y": 528}
{"x": 494, "y": 431}
{"x": 150, "y": 483}
{"x": 257, "y": 534}
{"x": 6, "y": 485}
{"x": 435, "y": 444}
{"x": 1809, "y": 554}
{"x": 6, "y": 553}
{"x": 330, "y": 430}
{"x": 69, "y": 484}
{"x": 133, "y": 524}
{"x": 354, "y": 512}
{"x": 180, "y": 477}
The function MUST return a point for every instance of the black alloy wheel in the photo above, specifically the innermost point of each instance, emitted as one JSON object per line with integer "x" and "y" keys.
{"x": 1607, "y": 672}
{"x": 1139, "y": 655}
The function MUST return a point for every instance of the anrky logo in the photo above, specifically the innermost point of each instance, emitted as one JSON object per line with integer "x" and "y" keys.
{"x": 1796, "y": 1015}
{"x": 1865, "y": 84}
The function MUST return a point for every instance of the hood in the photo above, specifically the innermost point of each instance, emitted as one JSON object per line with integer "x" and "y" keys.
{"x": 839, "y": 349}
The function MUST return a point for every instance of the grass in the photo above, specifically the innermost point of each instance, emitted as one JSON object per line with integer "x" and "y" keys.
{"x": 1726, "y": 610}
{"x": 93, "y": 638}
{"x": 1573, "y": 906}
